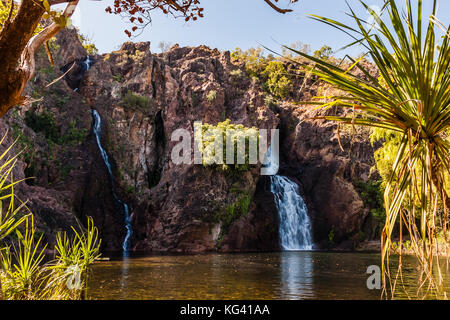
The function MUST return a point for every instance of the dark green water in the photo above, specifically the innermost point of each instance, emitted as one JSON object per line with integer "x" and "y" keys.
{"x": 283, "y": 275}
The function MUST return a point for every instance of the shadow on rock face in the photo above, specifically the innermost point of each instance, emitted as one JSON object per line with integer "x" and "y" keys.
{"x": 75, "y": 71}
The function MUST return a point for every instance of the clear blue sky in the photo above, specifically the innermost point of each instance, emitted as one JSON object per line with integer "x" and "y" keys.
{"x": 232, "y": 23}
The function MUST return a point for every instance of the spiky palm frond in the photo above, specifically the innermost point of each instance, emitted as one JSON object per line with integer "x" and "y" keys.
{"x": 23, "y": 275}
{"x": 414, "y": 101}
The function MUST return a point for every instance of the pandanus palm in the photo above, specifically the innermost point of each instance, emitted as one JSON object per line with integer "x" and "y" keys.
{"x": 412, "y": 100}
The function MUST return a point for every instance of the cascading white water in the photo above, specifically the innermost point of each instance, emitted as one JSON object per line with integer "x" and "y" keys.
{"x": 87, "y": 63}
{"x": 97, "y": 131}
{"x": 295, "y": 225}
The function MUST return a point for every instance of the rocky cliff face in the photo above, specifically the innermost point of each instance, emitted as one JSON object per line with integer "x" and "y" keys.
{"x": 142, "y": 98}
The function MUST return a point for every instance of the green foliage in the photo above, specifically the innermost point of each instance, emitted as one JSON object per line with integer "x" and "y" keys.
{"x": 211, "y": 96}
{"x": 52, "y": 45}
{"x": 386, "y": 154}
{"x": 254, "y": 60}
{"x": 74, "y": 136}
{"x": 65, "y": 171}
{"x": 56, "y": 15}
{"x": 74, "y": 258}
{"x": 236, "y": 74}
{"x": 138, "y": 56}
{"x": 270, "y": 101}
{"x": 19, "y": 279}
{"x": 278, "y": 82}
{"x": 269, "y": 71}
{"x": 10, "y": 215}
{"x": 24, "y": 143}
{"x": 323, "y": 53}
{"x": 117, "y": 78}
{"x": 44, "y": 123}
{"x": 48, "y": 70}
{"x": 372, "y": 194}
{"x": 385, "y": 158}
{"x": 243, "y": 204}
{"x": 23, "y": 276}
{"x": 133, "y": 101}
{"x": 130, "y": 190}
{"x": 234, "y": 211}
{"x": 207, "y": 143}
{"x": 331, "y": 237}
{"x": 5, "y": 7}
{"x": 412, "y": 103}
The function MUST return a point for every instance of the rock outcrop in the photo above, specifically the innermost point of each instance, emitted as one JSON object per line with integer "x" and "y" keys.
{"x": 144, "y": 97}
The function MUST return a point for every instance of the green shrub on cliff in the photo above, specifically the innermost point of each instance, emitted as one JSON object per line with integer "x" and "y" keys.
{"x": 277, "y": 80}
{"x": 133, "y": 100}
{"x": 236, "y": 74}
{"x": 117, "y": 78}
{"x": 44, "y": 123}
{"x": 233, "y": 212}
{"x": 74, "y": 135}
{"x": 268, "y": 70}
{"x": 253, "y": 59}
{"x": 24, "y": 143}
{"x": 211, "y": 96}
{"x": 239, "y": 135}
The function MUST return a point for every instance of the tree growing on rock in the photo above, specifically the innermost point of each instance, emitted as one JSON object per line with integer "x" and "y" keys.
{"x": 20, "y": 37}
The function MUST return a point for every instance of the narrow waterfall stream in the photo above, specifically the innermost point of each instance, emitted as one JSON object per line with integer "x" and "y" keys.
{"x": 87, "y": 63}
{"x": 295, "y": 225}
{"x": 126, "y": 210}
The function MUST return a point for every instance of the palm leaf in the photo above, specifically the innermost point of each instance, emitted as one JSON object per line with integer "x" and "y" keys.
{"x": 414, "y": 100}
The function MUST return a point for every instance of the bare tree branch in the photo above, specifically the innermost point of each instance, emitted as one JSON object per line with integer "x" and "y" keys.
{"x": 10, "y": 12}
{"x": 53, "y": 2}
{"x": 277, "y": 9}
{"x": 28, "y": 62}
{"x": 65, "y": 73}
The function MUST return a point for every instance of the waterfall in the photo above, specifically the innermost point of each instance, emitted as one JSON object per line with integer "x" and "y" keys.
{"x": 126, "y": 210}
{"x": 295, "y": 225}
{"x": 87, "y": 63}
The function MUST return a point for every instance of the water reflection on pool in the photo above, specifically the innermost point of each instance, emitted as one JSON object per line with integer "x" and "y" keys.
{"x": 282, "y": 275}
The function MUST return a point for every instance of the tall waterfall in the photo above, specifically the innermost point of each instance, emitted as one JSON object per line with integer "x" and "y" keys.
{"x": 126, "y": 210}
{"x": 295, "y": 225}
